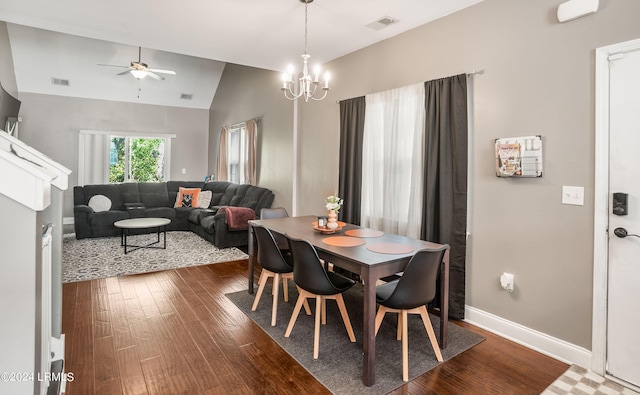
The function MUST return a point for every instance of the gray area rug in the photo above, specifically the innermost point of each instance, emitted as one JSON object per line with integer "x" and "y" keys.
{"x": 90, "y": 259}
{"x": 339, "y": 364}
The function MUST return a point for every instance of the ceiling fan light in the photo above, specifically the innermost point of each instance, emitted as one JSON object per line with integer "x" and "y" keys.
{"x": 139, "y": 74}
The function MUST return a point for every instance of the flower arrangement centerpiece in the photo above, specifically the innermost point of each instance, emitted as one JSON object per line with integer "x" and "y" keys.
{"x": 334, "y": 204}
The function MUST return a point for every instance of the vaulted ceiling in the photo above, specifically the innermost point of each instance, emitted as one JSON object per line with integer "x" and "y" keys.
{"x": 67, "y": 39}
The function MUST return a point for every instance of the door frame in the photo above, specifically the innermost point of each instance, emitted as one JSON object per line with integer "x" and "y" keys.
{"x": 601, "y": 203}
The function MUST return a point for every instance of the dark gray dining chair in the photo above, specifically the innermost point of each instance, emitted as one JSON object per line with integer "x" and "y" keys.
{"x": 410, "y": 294}
{"x": 277, "y": 212}
{"x": 313, "y": 281}
{"x": 273, "y": 266}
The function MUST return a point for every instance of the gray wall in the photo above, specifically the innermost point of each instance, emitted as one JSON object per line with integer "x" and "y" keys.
{"x": 51, "y": 124}
{"x": 7, "y": 72}
{"x": 245, "y": 93}
{"x": 538, "y": 79}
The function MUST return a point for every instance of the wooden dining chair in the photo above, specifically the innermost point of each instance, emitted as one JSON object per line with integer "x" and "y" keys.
{"x": 313, "y": 281}
{"x": 410, "y": 294}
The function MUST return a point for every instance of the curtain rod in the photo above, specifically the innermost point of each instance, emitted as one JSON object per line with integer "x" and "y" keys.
{"x": 235, "y": 125}
{"x": 472, "y": 72}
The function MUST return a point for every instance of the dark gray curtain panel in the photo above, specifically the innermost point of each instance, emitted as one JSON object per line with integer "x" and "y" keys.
{"x": 350, "y": 181}
{"x": 445, "y": 178}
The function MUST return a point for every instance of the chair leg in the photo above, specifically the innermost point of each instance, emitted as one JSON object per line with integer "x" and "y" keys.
{"x": 285, "y": 288}
{"x": 430, "y": 332}
{"x": 379, "y": 317}
{"x": 274, "y": 309}
{"x": 399, "y": 330}
{"x": 264, "y": 276}
{"x": 405, "y": 346}
{"x": 316, "y": 332}
{"x": 345, "y": 317}
{"x": 302, "y": 299}
{"x": 324, "y": 311}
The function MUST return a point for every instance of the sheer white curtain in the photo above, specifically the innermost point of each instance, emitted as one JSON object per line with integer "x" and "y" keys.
{"x": 93, "y": 157}
{"x": 393, "y": 161}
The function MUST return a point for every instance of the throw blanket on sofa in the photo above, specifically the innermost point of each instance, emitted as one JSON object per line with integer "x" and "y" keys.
{"x": 238, "y": 217}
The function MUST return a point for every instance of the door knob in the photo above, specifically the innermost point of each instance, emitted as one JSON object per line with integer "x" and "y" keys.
{"x": 622, "y": 233}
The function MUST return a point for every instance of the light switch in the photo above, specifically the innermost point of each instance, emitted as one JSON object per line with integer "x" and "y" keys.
{"x": 184, "y": 171}
{"x": 573, "y": 195}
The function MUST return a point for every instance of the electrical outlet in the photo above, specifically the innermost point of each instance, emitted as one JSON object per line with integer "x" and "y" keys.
{"x": 506, "y": 281}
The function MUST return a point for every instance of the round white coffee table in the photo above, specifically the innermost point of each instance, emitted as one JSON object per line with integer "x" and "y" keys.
{"x": 126, "y": 225}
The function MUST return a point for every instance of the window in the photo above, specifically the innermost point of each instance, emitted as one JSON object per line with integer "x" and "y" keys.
{"x": 236, "y": 160}
{"x": 136, "y": 159}
{"x": 237, "y": 154}
{"x": 392, "y": 161}
{"x": 111, "y": 157}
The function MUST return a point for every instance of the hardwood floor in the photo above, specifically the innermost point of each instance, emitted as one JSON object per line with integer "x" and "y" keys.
{"x": 174, "y": 332}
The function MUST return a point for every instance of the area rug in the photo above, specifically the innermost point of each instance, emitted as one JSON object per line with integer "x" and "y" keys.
{"x": 578, "y": 380}
{"x": 90, "y": 259}
{"x": 339, "y": 365}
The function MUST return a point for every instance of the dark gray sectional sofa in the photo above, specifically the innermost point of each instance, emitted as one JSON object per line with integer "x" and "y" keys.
{"x": 131, "y": 200}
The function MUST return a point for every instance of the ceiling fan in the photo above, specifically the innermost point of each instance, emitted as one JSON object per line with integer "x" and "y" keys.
{"x": 140, "y": 70}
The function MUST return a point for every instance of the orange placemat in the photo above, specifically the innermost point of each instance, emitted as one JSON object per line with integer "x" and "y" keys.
{"x": 364, "y": 233}
{"x": 390, "y": 248}
{"x": 343, "y": 241}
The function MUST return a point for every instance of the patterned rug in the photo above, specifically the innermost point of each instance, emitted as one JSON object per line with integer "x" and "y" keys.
{"x": 89, "y": 259}
{"x": 578, "y": 380}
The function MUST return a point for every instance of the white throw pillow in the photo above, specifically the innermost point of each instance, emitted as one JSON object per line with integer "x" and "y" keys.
{"x": 100, "y": 203}
{"x": 204, "y": 199}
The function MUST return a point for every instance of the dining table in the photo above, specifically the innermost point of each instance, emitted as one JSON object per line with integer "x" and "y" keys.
{"x": 371, "y": 254}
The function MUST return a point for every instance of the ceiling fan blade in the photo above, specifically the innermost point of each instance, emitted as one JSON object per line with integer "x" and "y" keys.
{"x": 113, "y": 65}
{"x": 163, "y": 71}
{"x": 124, "y": 72}
{"x": 154, "y": 75}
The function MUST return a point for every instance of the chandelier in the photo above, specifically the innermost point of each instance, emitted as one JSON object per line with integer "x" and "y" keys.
{"x": 307, "y": 85}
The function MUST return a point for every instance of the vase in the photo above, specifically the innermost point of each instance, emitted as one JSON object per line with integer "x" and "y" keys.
{"x": 332, "y": 224}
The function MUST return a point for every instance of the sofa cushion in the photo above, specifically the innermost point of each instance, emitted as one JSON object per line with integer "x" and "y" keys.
{"x": 204, "y": 199}
{"x": 160, "y": 212}
{"x": 187, "y": 197}
{"x": 112, "y": 191}
{"x": 196, "y": 215}
{"x": 154, "y": 194}
{"x": 215, "y": 199}
{"x": 99, "y": 203}
{"x": 129, "y": 192}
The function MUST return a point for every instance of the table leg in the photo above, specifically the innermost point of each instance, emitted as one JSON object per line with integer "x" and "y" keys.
{"x": 252, "y": 257}
{"x": 165, "y": 237}
{"x": 126, "y": 232}
{"x": 369, "y": 327}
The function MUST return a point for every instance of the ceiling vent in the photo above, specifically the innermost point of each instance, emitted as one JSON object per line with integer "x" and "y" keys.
{"x": 382, "y": 23}
{"x": 186, "y": 96}
{"x": 59, "y": 81}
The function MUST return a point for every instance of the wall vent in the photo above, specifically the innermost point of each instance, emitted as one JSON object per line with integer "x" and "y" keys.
{"x": 382, "y": 23}
{"x": 186, "y": 96}
{"x": 59, "y": 81}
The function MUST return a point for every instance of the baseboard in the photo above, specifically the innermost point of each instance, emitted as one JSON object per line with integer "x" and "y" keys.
{"x": 67, "y": 221}
{"x": 530, "y": 338}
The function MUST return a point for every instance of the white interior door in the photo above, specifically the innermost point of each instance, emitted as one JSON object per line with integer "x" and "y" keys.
{"x": 623, "y": 318}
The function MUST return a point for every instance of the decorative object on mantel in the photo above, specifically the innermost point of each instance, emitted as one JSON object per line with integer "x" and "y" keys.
{"x": 307, "y": 85}
{"x": 334, "y": 203}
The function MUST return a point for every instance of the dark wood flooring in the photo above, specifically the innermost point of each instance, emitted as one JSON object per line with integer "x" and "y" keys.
{"x": 174, "y": 332}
